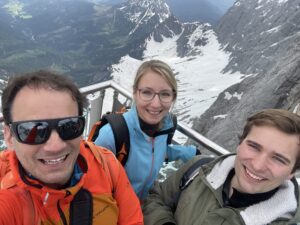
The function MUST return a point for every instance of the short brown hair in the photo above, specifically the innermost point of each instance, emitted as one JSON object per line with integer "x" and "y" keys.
{"x": 39, "y": 79}
{"x": 281, "y": 119}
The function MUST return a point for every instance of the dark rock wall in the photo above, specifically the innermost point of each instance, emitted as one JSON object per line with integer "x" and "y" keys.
{"x": 264, "y": 38}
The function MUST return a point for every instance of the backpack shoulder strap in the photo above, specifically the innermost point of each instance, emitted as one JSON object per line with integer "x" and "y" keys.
{"x": 108, "y": 161}
{"x": 121, "y": 135}
{"x": 94, "y": 132}
{"x": 187, "y": 178}
{"x": 81, "y": 208}
{"x": 171, "y": 134}
{"x": 193, "y": 172}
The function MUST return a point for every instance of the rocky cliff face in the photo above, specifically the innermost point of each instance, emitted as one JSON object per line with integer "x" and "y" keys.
{"x": 264, "y": 38}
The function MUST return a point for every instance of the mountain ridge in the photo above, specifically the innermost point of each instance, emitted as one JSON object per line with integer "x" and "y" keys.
{"x": 252, "y": 53}
{"x": 78, "y": 38}
{"x": 261, "y": 37}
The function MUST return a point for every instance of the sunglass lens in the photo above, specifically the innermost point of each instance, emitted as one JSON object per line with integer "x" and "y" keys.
{"x": 33, "y": 132}
{"x": 70, "y": 128}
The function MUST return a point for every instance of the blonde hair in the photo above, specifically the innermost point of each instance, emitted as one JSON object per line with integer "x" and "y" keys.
{"x": 159, "y": 67}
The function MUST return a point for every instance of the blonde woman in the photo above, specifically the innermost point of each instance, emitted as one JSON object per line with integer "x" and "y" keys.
{"x": 149, "y": 122}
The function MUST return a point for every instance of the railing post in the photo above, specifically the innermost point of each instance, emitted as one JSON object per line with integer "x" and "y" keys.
{"x": 116, "y": 103}
{"x": 96, "y": 109}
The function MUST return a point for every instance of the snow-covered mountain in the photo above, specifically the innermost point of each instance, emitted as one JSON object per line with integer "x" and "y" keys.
{"x": 248, "y": 63}
{"x": 144, "y": 13}
{"x": 263, "y": 38}
{"x": 141, "y": 11}
{"x": 193, "y": 51}
{"x": 191, "y": 10}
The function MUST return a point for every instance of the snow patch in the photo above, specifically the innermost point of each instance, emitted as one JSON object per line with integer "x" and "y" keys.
{"x": 220, "y": 116}
{"x": 267, "y": 1}
{"x": 274, "y": 29}
{"x": 200, "y": 78}
{"x": 229, "y": 96}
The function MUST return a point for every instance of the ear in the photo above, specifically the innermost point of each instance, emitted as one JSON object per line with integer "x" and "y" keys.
{"x": 8, "y": 137}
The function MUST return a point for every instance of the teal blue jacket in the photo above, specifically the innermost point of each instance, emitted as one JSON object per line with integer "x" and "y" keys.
{"x": 147, "y": 154}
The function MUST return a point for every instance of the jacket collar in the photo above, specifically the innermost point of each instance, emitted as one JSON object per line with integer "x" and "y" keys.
{"x": 167, "y": 120}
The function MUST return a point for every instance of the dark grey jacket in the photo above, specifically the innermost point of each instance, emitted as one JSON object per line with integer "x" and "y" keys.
{"x": 202, "y": 204}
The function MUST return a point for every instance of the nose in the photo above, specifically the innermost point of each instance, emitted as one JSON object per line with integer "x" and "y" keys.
{"x": 259, "y": 163}
{"x": 156, "y": 101}
{"x": 54, "y": 143}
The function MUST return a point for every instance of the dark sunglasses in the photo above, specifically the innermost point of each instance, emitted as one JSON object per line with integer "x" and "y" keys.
{"x": 35, "y": 132}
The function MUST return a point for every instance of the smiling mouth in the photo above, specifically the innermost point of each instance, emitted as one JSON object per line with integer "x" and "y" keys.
{"x": 154, "y": 112}
{"x": 253, "y": 176}
{"x": 54, "y": 161}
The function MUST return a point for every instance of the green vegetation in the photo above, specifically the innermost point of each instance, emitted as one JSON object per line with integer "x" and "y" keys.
{"x": 77, "y": 38}
{"x": 15, "y": 8}
{"x": 26, "y": 60}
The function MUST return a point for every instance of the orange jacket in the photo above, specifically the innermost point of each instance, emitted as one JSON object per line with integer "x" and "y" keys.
{"x": 23, "y": 200}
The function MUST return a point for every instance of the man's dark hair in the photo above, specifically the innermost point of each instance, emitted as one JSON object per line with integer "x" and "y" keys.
{"x": 281, "y": 119}
{"x": 36, "y": 80}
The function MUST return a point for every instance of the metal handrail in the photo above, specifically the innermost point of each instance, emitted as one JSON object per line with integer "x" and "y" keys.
{"x": 104, "y": 85}
{"x": 118, "y": 89}
{"x": 181, "y": 127}
{"x": 200, "y": 139}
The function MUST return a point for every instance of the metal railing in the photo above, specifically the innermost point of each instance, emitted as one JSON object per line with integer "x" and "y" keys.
{"x": 109, "y": 91}
{"x": 97, "y": 104}
{"x": 117, "y": 91}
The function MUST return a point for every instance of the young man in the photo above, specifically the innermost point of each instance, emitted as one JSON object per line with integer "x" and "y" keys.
{"x": 50, "y": 175}
{"x": 255, "y": 186}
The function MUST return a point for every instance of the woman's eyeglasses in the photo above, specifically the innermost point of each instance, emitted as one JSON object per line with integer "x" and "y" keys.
{"x": 34, "y": 132}
{"x": 147, "y": 94}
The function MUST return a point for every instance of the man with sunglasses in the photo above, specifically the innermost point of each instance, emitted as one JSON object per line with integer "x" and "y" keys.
{"x": 49, "y": 174}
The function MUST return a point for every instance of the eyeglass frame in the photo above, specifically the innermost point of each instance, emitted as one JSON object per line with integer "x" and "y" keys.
{"x": 158, "y": 94}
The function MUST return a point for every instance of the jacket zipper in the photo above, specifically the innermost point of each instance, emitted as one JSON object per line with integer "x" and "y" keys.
{"x": 62, "y": 215}
{"x": 46, "y": 198}
{"x": 149, "y": 176}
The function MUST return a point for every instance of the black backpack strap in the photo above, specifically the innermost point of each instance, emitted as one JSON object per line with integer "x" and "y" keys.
{"x": 95, "y": 131}
{"x": 187, "y": 178}
{"x": 171, "y": 134}
{"x": 294, "y": 181}
{"x": 193, "y": 172}
{"x": 81, "y": 209}
{"x": 121, "y": 135}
